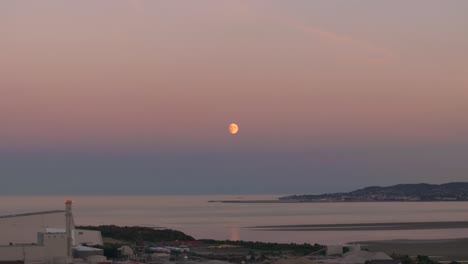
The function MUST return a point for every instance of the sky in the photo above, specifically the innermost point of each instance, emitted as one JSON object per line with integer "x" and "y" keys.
{"x": 135, "y": 96}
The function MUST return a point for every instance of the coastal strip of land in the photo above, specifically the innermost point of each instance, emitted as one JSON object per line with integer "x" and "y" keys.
{"x": 282, "y": 201}
{"x": 289, "y": 201}
{"x": 366, "y": 226}
{"x": 423, "y": 192}
{"x": 253, "y": 201}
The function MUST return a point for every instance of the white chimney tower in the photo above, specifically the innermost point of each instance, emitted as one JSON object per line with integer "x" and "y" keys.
{"x": 68, "y": 227}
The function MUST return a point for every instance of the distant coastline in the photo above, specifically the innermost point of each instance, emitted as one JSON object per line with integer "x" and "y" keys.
{"x": 422, "y": 192}
{"x": 447, "y": 192}
{"x": 314, "y": 201}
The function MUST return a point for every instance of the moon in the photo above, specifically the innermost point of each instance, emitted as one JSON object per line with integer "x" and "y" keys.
{"x": 233, "y": 128}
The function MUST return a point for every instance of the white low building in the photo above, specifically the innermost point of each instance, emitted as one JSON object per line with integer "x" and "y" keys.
{"x": 49, "y": 248}
{"x": 24, "y": 228}
{"x": 42, "y": 237}
{"x": 357, "y": 257}
{"x": 338, "y": 250}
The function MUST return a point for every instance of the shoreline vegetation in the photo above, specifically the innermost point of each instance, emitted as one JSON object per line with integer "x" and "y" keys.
{"x": 115, "y": 237}
{"x": 407, "y": 251}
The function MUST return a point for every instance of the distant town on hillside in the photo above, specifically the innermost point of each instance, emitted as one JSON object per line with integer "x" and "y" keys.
{"x": 454, "y": 191}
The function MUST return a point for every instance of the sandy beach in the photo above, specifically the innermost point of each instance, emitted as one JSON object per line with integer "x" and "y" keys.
{"x": 367, "y": 226}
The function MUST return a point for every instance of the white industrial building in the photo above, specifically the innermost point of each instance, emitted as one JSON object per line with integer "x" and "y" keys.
{"x": 354, "y": 256}
{"x": 46, "y": 237}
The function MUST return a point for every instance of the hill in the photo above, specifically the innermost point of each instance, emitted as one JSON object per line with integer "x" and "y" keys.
{"x": 136, "y": 233}
{"x": 454, "y": 191}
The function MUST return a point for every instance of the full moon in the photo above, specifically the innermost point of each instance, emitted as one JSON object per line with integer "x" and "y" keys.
{"x": 233, "y": 128}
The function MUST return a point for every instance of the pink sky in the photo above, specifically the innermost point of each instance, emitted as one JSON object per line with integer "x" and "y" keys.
{"x": 176, "y": 73}
{"x": 136, "y": 96}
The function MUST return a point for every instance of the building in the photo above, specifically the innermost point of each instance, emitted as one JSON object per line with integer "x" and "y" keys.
{"x": 84, "y": 252}
{"x": 358, "y": 257}
{"x": 47, "y": 237}
{"x": 384, "y": 261}
{"x": 23, "y": 228}
{"x": 338, "y": 250}
{"x": 50, "y": 248}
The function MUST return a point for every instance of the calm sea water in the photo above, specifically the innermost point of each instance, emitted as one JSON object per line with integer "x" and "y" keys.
{"x": 195, "y": 216}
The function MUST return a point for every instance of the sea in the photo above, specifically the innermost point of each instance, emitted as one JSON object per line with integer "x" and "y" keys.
{"x": 196, "y": 216}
